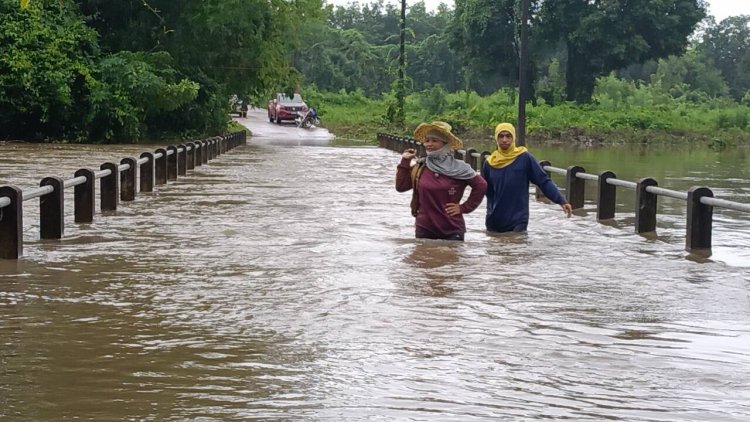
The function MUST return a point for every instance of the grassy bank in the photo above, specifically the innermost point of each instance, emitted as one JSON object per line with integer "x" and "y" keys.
{"x": 719, "y": 123}
{"x": 236, "y": 127}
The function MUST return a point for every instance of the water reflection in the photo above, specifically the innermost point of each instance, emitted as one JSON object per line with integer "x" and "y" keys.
{"x": 436, "y": 264}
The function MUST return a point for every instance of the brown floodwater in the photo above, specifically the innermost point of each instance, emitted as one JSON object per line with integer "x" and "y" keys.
{"x": 282, "y": 282}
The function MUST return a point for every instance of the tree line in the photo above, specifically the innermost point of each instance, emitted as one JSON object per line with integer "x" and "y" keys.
{"x": 103, "y": 71}
{"x": 474, "y": 47}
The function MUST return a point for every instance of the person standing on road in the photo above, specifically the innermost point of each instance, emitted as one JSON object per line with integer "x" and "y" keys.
{"x": 508, "y": 172}
{"x": 439, "y": 181}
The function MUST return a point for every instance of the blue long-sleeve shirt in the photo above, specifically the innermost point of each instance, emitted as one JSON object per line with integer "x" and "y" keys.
{"x": 508, "y": 192}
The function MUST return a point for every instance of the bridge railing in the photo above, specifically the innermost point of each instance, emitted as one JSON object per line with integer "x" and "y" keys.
{"x": 117, "y": 183}
{"x": 700, "y": 200}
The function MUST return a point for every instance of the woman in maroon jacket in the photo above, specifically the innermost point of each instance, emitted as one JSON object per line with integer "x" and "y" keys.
{"x": 439, "y": 181}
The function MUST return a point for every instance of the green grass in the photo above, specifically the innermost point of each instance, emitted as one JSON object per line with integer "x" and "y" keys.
{"x": 720, "y": 122}
{"x": 236, "y": 127}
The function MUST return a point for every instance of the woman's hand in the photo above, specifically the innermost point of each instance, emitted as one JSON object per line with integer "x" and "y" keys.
{"x": 409, "y": 153}
{"x": 567, "y": 209}
{"x": 453, "y": 209}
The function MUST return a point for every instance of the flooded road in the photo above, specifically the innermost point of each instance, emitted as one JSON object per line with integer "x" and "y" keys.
{"x": 282, "y": 282}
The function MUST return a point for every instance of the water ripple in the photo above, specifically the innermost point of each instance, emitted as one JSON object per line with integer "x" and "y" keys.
{"x": 284, "y": 283}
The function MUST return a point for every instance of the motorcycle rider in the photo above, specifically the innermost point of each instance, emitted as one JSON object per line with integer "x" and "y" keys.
{"x": 310, "y": 118}
{"x": 312, "y": 115}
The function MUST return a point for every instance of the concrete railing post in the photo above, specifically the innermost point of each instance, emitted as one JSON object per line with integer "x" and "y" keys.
{"x": 470, "y": 158}
{"x": 110, "y": 187}
{"x": 172, "y": 163}
{"x": 11, "y": 224}
{"x": 699, "y": 221}
{"x": 147, "y": 173}
{"x": 52, "y": 209}
{"x": 161, "y": 167}
{"x": 606, "y": 197}
{"x": 575, "y": 187}
{"x": 190, "y": 157}
{"x": 84, "y": 197}
{"x": 127, "y": 179}
{"x": 182, "y": 160}
{"x": 198, "y": 153}
{"x": 645, "y": 202}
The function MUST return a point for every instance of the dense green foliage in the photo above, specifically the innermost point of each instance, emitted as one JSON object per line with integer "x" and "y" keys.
{"x": 102, "y": 71}
{"x": 475, "y": 47}
{"x": 599, "y": 37}
{"x": 357, "y": 48}
{"x": 483, "y": 33}
{"x": 463, "y": 68}
{"x": 727, "y": 46}
{"x": 47, "y": 69}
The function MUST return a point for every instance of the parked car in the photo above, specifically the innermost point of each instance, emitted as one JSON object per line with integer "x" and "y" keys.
{"x": 284, "y": 108}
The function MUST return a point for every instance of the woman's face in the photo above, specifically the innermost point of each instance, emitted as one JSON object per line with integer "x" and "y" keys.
{"x": 504, "y": 140}
{"x": 433, "y": 144}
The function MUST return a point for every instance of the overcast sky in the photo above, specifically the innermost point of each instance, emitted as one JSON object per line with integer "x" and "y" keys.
{"x": 719, "y": 8}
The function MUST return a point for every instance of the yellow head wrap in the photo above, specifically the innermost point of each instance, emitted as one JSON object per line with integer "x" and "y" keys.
{"x": 500, "y": 158}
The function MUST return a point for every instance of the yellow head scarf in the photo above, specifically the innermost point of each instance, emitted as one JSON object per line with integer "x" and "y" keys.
{"x": 500, "y": 158}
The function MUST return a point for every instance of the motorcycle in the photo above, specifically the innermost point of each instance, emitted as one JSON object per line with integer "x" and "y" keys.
{"x": 308, "y": 119}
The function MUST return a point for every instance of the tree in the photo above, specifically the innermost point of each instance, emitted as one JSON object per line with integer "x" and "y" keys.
{"x": 343, "y": 59}
{"x": 432, "y": 62}
{"x": 690, "y": 72}
{"x": 483, "y": 34}
{"x": 241, "y": 44}
{"x": 357, "y": 51}
{"x": 727, "y": 46}
{"x": 103, "y": 70}
{"x": 551, "y": 87}
{"x": 46, "y": 70}
{"x": 376, "y": 21}
{"x": 602, "y": 36}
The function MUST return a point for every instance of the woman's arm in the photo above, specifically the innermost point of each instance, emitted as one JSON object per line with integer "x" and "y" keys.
{"x": 403, "y": 175}
{"x": 540, "y": 178}
{"x": 478, "y": 189}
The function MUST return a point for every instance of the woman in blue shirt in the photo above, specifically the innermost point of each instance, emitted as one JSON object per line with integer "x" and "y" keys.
{"x": 508, "y": 172}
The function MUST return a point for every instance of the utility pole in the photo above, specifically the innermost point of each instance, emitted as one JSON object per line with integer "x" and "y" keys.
{"x": 522, "y": 76}
{"x": 400, "y": 94}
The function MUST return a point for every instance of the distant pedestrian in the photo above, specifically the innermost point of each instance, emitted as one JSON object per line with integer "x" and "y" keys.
{"x": 439, "y": 181}
{"x": 508, "y": 172}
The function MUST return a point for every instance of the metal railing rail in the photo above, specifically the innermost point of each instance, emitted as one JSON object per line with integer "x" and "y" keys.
{"x": 699, "y": 199}
{"x": 69, "y": 183}
{"x": 36, "y": 193}
{"x": 723, "y": 203}
{"x": 117, "y": 183}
